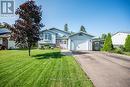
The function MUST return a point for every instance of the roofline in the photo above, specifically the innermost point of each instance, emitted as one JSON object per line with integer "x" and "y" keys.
{"x": 98, "y": 39}
{"x": 5, "y": 33}
{"x": 60, "y": 30}
{"x": 120, "y": 32}
{"x": 48, "y": 30}
{"x": 83, "y": 33}
{"x": 62, "y": 38}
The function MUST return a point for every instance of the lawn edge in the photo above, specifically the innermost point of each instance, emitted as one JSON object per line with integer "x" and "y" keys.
{"x": 87, "y": 76}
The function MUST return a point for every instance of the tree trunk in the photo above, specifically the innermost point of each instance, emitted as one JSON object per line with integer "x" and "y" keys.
{"x": 29, "y": 49}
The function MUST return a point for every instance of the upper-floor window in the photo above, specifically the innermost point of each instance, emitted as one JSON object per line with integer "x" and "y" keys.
{"x": 47, "y": 36}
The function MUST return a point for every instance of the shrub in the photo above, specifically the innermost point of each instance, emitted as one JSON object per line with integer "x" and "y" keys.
{"x": 108, "y": 43}
{"x": 118, "y": 50}
{"x": 42, "y": 47}
{"x": 127, "y": 43}
{"x": 122, "y": 48}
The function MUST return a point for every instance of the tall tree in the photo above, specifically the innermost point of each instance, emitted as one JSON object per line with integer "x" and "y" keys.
{"x": 27, "y": 27}
{"x": 82, "y": 28}
{"x": 108, "y": 43}
{"x": 127, "y": 43}
{"x": 66, "y": 27}
{"x": 103, "y": 36}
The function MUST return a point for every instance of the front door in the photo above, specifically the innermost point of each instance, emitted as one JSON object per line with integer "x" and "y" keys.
{"x": 63, "y": 44}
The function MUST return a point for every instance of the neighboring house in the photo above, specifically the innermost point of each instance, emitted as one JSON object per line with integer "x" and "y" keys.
{"x": 5, "y": 39}
{"x": 64, "y": 40}
{"x": 118, "y": 39}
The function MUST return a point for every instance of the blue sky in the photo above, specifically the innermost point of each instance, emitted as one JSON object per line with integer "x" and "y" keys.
{"x": 98, "y": 16}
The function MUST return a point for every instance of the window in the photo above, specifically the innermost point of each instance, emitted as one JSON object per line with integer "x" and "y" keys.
{"x": 41, "y": 36}
{"x": 47, "y": 36}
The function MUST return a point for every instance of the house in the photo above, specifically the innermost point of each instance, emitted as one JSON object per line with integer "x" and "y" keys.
{"x": 118, "y": 39}
{"x": 65, "y": 40}
{"x": 54, "y": 37}
{"x": 5, "y": 39}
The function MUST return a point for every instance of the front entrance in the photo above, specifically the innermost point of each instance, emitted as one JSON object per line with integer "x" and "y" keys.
{"x": 62, "y": 43}
{"x": 5, "y": 42}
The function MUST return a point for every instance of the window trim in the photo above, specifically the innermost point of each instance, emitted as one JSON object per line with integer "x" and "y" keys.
{"x": 47, "y": 36}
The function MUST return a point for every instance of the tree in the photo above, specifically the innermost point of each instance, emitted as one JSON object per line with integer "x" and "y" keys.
{"x": 108, "y": 43}
{"x": 82, "y": 28}
{"x": 27, "y": 27}
{"x": 66, "y": 27}
{"x": 127, "y": 43}
{"x": 103, "y": 36}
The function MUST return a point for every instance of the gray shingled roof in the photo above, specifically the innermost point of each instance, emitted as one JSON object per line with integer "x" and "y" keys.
{"x": 4, "y": 31}
{"x": 59, "y": 30}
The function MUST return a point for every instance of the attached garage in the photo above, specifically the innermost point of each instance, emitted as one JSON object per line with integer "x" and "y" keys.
{"x": 80, "y": 42}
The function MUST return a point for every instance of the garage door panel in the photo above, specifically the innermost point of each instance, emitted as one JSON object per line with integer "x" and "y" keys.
{"x": 80, "y": 45}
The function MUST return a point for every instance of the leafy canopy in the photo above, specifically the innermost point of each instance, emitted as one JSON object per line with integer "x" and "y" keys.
{"x": 27, "y": 26}
{"x": 103, "y": 36}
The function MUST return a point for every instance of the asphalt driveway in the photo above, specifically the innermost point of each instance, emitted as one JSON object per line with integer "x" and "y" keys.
{"x": 105, "y": 69}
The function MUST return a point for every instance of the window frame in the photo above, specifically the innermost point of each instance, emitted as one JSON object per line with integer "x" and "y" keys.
{"x": 47, "y": 36}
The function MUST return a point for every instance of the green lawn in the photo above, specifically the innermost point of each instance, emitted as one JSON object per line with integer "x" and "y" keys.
{"x": 45, "y": 68}
{"x": 127, "y": 53}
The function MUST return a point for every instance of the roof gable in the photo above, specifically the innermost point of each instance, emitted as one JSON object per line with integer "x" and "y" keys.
{"x": 81, "y": 33}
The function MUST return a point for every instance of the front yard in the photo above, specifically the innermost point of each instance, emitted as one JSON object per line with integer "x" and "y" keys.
{"x": 127, "y": 53}
{"x": 45, "y": 68}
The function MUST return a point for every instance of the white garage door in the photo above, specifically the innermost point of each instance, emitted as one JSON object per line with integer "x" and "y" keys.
{"x": 78, "y": 45}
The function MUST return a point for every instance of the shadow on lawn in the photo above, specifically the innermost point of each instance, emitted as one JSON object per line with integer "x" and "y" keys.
{"x": 49, "y": 55}
{"x": 79, "y": 52}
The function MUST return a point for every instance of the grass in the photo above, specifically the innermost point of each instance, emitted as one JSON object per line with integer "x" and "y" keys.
{"x": 45, "y": 68}
{"x": 127, "y": 53}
